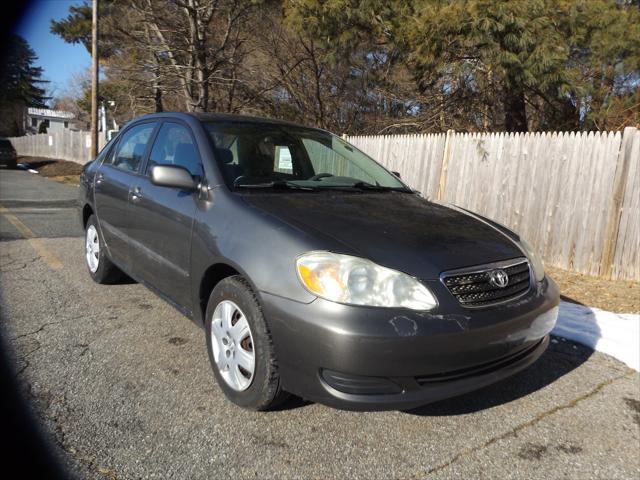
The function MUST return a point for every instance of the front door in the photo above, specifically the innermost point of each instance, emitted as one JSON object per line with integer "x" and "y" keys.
{"x": 113, "y": 183}
{"x": 161, "y": 236}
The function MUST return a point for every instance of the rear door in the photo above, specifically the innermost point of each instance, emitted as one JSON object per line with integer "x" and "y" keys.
{"x": 161, "y": 235}
{"x": 112, "y": 187}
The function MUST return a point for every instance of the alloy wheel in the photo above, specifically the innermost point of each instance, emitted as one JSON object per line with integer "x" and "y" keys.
{"x": 92, "y": 248}
{"x": 232, "y": 343}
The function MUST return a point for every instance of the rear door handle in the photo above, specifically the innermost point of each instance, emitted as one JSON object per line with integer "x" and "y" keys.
{"x": 136, "y": 194}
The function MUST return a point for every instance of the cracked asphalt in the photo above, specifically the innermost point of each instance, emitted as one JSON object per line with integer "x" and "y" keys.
{"x": 121, "y": 384}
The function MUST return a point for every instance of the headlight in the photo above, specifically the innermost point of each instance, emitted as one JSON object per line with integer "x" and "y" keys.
{"x": 534, "y": 258}
{"x": 357, "y": 281}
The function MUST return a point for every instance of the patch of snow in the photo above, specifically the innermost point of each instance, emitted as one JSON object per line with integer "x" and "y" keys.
{"x": 615, "y": 334}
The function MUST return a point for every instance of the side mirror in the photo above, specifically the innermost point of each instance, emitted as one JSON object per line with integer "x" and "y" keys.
{"x": 173, "y": 176}
{"x": 397, "y": 174}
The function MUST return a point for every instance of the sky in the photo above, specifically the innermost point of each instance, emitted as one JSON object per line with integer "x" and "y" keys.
{"x": 59, "y": 60}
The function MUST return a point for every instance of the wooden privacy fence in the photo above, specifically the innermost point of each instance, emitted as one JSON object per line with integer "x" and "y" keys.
{"x": 74, "y": 146}
{"x": 574, "y": 196}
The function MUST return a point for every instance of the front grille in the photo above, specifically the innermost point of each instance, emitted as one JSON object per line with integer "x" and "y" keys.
{"x": 472, "y": 287}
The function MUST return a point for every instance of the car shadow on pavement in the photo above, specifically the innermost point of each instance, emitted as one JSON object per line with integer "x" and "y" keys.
{"x": 122, "y": 279}
{"x": 125, "y": 280}
{"x": 571, "y": 300}
{"x": 561, "y": 357}
{"x": 292, "y": 403}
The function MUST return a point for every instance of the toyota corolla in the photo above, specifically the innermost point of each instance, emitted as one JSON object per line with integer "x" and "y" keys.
{"x": 311, "y": 268}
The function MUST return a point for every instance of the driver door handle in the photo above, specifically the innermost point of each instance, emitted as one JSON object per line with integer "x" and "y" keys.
{"x": 136, "y": 194}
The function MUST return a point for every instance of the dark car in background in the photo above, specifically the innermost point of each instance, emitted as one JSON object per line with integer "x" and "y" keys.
{"x": 312, "y": 269}
{"x": 8, "y": 156}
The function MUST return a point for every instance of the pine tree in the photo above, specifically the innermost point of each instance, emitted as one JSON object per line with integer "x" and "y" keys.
{"x": 527, "y": 64}
{"x": 21, "y": 81}
{"x": 76, "y": 27}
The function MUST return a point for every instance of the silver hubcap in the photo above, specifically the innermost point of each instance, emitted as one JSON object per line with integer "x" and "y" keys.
{"x": 232, "y": 343}
{"x": 92, "y": 248}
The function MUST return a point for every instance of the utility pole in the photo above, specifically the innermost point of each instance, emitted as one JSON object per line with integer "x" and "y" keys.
{"x": 94, "y": 81}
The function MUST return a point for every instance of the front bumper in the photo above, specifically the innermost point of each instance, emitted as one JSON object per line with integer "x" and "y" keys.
{"x": 369, "y": 358}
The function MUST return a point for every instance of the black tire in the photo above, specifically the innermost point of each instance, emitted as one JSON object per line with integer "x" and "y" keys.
{"x": 107, "y": 272}
{"x": 265, "y": 390}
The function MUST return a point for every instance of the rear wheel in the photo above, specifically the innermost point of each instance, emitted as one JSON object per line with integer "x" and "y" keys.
{"x": 240, "y": 347}
{"x": 101, "y": 268}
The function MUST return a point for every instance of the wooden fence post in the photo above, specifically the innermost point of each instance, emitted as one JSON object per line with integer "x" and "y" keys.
{"x": 444, "y": 169}
{"x": 619, "y": 184}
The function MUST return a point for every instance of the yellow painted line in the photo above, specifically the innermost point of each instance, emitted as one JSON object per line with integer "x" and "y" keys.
{"x": 45, "y": 254}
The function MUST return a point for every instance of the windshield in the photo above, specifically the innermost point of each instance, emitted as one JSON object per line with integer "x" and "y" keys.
{"x": 263, "y": 155}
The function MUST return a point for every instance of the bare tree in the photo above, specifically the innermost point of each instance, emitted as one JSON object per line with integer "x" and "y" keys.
{"x": 189, "y": 47}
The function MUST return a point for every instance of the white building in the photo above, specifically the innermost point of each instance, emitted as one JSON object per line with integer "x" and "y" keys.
{"x": 54, "y": 120}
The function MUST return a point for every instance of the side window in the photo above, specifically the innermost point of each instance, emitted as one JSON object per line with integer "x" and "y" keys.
{"x": 174, "y": 146}
{"x": 130, "y": 150}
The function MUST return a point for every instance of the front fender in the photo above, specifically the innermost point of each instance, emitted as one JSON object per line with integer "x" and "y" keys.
{"x": 225, "y": 232}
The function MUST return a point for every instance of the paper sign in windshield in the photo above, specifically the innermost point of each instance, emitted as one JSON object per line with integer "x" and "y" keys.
{"x": 284, "y": 158}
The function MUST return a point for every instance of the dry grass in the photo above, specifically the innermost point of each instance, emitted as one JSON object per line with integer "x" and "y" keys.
{"x": 613, "y": 295}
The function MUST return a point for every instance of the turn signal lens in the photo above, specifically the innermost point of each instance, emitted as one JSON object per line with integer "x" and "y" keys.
{"x": 358, "y": 281}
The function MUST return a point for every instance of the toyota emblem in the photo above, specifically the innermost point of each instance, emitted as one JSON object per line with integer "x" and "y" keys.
{"x": 498, "y": 278}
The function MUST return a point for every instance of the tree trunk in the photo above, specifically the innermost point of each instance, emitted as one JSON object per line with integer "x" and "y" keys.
{"x": 202, "y": 79}
{"x": 515, "y": 113}
{"x": 158, "y": 97}
{"x": 570, "y": 116}
{"x": 197, "y": 34}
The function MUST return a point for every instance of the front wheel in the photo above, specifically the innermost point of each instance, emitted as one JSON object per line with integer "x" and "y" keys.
{"x": 240, "y": 347}
{"x": 101, "y": 269}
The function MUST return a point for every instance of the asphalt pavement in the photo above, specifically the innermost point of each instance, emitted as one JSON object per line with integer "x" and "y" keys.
{"x": 121, "y": 384}
{"x": 44, "y": 206}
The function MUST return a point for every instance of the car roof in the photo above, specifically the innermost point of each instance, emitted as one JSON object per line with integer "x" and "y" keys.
{"x": 223, "y": 118}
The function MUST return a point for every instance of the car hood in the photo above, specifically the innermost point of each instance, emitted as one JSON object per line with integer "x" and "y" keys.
{"x": 397, "y": 230}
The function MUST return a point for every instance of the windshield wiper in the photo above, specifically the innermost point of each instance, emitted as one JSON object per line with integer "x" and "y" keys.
{"x": 276, "y": 184}
{"x": 378, "y": 188}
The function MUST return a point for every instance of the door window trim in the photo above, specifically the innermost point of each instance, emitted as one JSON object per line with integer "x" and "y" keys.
{"x": 106, "y": 150}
